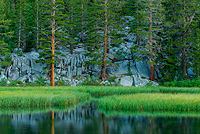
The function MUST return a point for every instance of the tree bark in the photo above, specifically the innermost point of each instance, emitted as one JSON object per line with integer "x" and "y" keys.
{"x": 82, "y": 34}
{"x": 138, "y": 37}
{"x": 184, "y": 43}
{"x": 37, "y": 27}
{"x": 53, "y": 44}
{"x": 20, "y": 26}
{"x": 71, "y": 44}
{"x": 152, "y": 77}
{"x": 103, "y": 71}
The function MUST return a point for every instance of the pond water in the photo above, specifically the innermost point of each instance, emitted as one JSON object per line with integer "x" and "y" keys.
{"x": 88, "y": 120}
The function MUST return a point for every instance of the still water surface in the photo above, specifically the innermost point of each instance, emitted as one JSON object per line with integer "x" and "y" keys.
{"x": 87, "y": 120}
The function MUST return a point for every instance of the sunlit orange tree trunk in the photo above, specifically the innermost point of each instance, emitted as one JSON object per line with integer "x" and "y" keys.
{"x": 53, "y": 44}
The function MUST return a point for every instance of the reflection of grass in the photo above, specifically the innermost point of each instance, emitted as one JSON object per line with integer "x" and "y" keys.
{"x": 46, "y": 109}
{"x": 151, "y": 102}
{"x": 112, "y": 113}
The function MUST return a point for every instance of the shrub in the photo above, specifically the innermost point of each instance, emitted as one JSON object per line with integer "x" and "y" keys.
{"x": 15, "y": 83}
{"x": 143, "y": 77}
{"x": 112, "y": 78}
{"x": 183, "y": 83}
{"x": 91, "y": 81}
{"x": 61, "y": 83}
{"x": 41, "y": 82}
{"x": 3, "y": 82}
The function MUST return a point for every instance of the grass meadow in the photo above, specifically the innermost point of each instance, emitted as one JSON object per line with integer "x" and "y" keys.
{"x": 108, "y": 98}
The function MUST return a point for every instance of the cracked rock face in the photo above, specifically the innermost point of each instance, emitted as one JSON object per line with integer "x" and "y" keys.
{"x": 70, "y": 66}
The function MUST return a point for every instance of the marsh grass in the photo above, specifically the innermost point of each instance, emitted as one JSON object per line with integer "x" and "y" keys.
{"x": 106, "y": 91}
{"x": 121, "y": 98}
{"x": 43, "y": 97}
{"x": 151, "y": 102}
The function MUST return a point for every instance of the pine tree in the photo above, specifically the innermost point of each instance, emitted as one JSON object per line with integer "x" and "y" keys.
{"x": 180, "y": 15}
{"x": 54, "y": 35}
{"x": 194, "y": 51}
{"x": 147, "y": 26}
{"x": 101, "y": 26}
{"x": 5, "y": 54}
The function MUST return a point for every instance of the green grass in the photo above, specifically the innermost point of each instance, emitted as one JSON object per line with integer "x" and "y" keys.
{"x": 151, "y": 102}
{"x": 105, "y": 91}
{"x": 118, "y": 98}
{"x": 31, "y": 97}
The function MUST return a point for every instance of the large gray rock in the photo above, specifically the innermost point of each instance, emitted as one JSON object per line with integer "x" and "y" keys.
{"x": 2, "y": 76}
{"x": 79, "y": 71}
{"x": 73, "y": 84}
{"x": 121, "y": 69}
{"x": 79, "y": 50}
{"x": 23, "y": 79}
{"x": 72, "y": 65}
{"x": 33, "y": 78}
{"x": 69, "y": 65}
{"x": 190, "y": 72}
{"x": 143, "y": 68}
{"x": 126, "y": 81}
{"x": 37, "y": 67}
{"x": 32, "y": 55}
{"x": 133, "y": 68}
{"x": 13, "y": 73}
{"x": 138, "y": 81}
{"x": 157, "y": 73}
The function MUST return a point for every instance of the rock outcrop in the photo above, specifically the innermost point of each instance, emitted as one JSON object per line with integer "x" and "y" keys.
{"x": 69, "y": 67}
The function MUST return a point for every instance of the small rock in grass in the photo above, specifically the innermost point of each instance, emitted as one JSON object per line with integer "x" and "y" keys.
{"x": 73, "y": 84}
{"x": 126, "y": 81}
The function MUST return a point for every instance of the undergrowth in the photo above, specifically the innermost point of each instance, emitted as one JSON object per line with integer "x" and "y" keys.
{"x": 184, "y": 83}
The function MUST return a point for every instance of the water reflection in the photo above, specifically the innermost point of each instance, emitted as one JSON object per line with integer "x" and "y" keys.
{"x": 52, "y": 123}
{"x": 87, "y": 120}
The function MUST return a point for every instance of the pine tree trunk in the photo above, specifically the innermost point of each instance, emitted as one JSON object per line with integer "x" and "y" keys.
{"x": 82, "y": 35}
{"x": 184, "y": 49}
{"x": 152, "y": 77}
{"x": 71, "y": 45}
{"x": 103, "y": 72}
{"x": 37, "y": 27}
{"x": 20, "y": 26}
{"x": 138, "y": 37}
{"x": 138, "y": 40}
{"x": 169, "y": 69}
{"x": 53, "y": 44}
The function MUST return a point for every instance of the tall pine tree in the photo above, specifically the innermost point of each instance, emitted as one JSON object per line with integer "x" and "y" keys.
{"x": 5, "y": 54}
